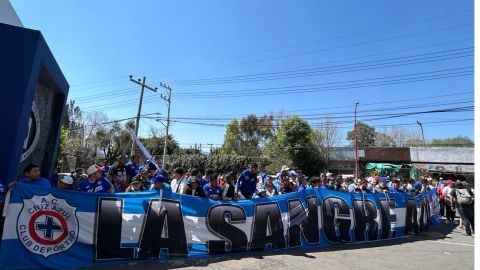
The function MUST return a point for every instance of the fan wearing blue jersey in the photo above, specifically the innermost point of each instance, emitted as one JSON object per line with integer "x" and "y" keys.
{"x": 96, "y": 182}
{"x": 247, "y": 182}
{"x": 213, "y": 190}
{"x": 32, "y": 176}
{"x": 206, "y": 179}
{"x": 132, "y": 167}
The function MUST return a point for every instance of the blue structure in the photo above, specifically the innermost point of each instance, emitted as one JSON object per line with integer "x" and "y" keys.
{"x": 34, "y": 93}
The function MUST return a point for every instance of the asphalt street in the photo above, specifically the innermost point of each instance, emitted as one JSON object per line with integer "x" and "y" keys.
{"x": 441, "y": 247}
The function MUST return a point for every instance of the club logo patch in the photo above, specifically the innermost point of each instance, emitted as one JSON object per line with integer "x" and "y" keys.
{"x": 47, "y": 225}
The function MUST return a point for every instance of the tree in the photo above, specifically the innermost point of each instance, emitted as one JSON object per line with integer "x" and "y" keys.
{"x": 402, "y": 137}
{"x": 72, "y": 118}
{"x": 457, "y": 141}
{"x": 294, "y": 144}
{"x": 232, "y": 139}
{"x": 382, "y": 139}
{"x": 72, "y": 137}
{"x": 121, "y": 142}
{"x": 156, "y": 143}
{"x": 326, "y": 137}
{"x": 365, "y": 135}
{"x": 248, "y": 136}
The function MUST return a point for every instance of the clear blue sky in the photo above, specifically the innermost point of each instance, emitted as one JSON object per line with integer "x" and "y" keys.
{"x": 320, "y": 57}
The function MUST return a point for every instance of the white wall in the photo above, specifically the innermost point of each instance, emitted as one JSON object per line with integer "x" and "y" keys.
{"x": 442, "y": 154}
{"x": 8, "y": 14}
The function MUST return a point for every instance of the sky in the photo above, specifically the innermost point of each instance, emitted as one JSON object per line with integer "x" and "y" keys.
{"x": 403, "y": 61}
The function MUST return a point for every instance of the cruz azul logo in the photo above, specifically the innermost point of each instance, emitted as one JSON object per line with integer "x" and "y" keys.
{"x": 47, "y": 225}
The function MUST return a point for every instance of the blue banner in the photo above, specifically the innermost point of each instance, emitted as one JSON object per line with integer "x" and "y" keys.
{"x": 52, "y": 228}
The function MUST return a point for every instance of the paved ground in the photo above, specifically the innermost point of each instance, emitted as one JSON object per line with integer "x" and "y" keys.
{"x": 442, "y": 247}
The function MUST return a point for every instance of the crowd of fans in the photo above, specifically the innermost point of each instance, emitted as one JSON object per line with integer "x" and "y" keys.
{"x": 250, "y": 183}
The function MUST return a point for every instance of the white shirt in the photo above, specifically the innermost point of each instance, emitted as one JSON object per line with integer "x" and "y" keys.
{"x": 179, "y": 186}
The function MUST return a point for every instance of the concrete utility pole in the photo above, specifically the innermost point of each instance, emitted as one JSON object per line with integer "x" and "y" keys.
{"x": 168, "y": 99}
{"x": 421, "y": 127}
{"x": 356, "y": 140}
{"x": 137, "y": 122}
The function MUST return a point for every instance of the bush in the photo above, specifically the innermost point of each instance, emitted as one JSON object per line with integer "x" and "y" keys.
{"x": 219, "y": 163}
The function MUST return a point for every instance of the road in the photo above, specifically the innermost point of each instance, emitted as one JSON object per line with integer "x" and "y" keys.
{"x": 442, "y": 247}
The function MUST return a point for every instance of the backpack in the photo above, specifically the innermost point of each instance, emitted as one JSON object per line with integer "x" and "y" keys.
{"x": 463, "y": 196}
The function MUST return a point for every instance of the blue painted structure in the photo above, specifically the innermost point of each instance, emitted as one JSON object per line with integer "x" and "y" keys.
{"x": 26, "y": 60}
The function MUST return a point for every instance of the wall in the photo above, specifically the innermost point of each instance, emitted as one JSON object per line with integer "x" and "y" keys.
{"x": 462, "y": 155}
{"x": 8, "y": 14}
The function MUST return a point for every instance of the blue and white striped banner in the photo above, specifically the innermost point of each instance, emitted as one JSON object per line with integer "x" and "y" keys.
{"x": 52, "y": 228}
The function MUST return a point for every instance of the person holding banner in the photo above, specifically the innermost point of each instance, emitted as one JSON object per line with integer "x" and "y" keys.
{"x": 179, "y": 182}
{"x": 213, "y": 190}
{"x": 132, "y": 167}
{"x": 65, "y": 182}
{"x": 143, "y": 177}
{"x": 95, "y": 182}
{"x": 135, "y": 186}
{"x": 194, "y": 188}
{"x": 363, "y": 187}
{"x": 382, "y": 186}
{"x": 229, "y": 190}
{"x": 160, "y": 183}
{"x": 247, "y": 182}
{"x": 206, "y": 178}
{"x": 270, "y": 190}
{"x": 395, "y": 188}
{"x": 303, "y": 185}
{"x": 32, "y": 176}
{"x": 283, "y": 174}
{"x": 118, "y": 174}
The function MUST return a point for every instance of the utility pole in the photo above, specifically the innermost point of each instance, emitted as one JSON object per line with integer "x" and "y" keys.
{"x": 211, "y": 147}
{"x": 137, "y": 122}
{"x": 168, "y": 99}
{"x": 356, "y": 140}
{"x": 421, "y": 127}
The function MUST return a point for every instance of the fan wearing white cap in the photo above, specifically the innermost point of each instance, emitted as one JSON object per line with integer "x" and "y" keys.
{"x": 283, "y": 174}
{"x": 95, "y": 181}
{"x": 65, "y": 182}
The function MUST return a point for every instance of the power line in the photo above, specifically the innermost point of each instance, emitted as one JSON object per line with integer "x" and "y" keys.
{"x": 331, "y": 86}
{"x": 349, "y": 45}
{"x": 348, "y": 106}
{"x": 334, "y": 86}
{"x": 359, "y": 66}
{"x": 374, "y": 117}
{"x": 343, "y": 114}
{"x": 302, "y": 66}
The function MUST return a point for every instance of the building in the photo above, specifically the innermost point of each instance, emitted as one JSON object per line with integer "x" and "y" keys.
{"x": 412, "y": 162}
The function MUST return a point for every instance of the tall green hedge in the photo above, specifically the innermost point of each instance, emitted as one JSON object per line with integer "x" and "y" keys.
{"x": 219, "y": 163}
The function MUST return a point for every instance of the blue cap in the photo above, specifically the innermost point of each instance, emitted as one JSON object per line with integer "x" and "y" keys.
{"x": 292, "y": 173}
{"x": 417, "y": 184}
{"x": 384, "y": 179}
{"x": 159, "y": 178}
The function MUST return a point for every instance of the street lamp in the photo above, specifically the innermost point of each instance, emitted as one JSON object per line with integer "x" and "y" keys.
{"x": 421, "y": 127}
{"x": 356, "y": 140}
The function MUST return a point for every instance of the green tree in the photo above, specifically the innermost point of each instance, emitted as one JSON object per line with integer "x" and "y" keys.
{"x": 294, "y": 144}
{"x": 232, "y": 139}
{"x": 458, "y": 141}
{"x": 248, "y": 136}
{"x": 155, "y": 144}
{"x": 365, "y": 135}
{"x": 61, "y": 144}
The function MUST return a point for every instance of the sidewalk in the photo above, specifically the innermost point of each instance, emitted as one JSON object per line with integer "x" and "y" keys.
{"x": 441, "y": 247}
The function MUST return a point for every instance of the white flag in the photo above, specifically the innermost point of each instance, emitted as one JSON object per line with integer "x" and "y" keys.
{"x": 139, "y": 144}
